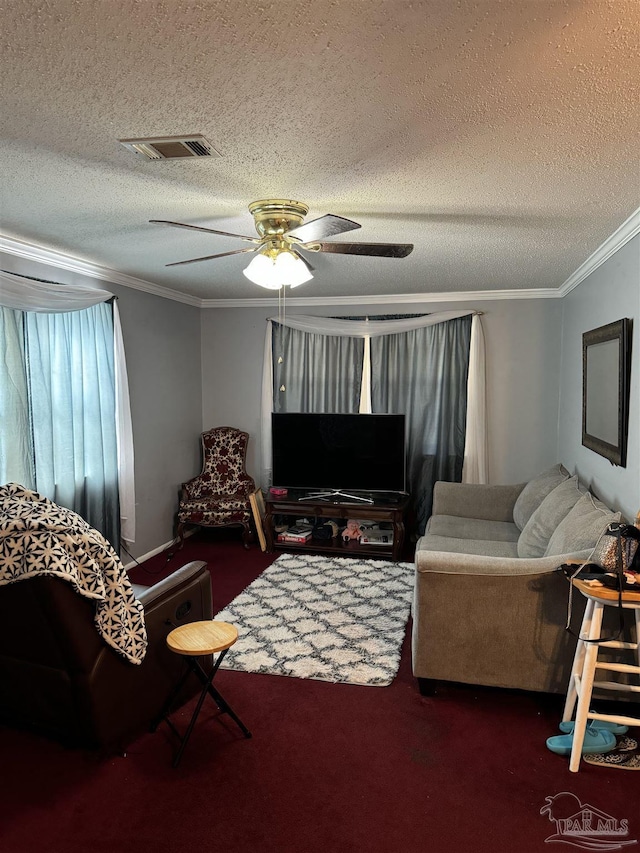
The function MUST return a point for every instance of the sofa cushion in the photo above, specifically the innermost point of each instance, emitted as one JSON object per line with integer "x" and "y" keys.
{"x": 472, "y": 528}
{"x": 538, "y": 530}
{"x": 483, "y": 547}
{"x": 581, "y": 527}
{"x": 536, "y": 491}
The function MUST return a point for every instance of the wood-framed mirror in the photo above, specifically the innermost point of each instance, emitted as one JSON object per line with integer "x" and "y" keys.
{"x": 606, "y": 366}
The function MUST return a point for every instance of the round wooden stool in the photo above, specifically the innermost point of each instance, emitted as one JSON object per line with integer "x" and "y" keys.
{"x": 585, "y": 663}
{"x": 192, "y": 641}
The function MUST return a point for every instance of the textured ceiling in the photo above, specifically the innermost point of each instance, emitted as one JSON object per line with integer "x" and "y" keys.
{"x": 500, "y": 137}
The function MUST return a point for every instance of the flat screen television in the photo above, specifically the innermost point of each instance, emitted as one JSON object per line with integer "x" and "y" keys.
{"x": 339, "y": 452}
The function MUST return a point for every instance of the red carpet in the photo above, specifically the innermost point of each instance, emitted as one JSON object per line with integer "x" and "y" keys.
{"x": 331, "y": 768}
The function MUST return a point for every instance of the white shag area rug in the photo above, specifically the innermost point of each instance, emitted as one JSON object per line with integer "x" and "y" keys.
{"x": 322, "y": 617}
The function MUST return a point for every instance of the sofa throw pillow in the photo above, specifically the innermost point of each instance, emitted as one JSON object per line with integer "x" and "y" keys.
{"x": 581, "y": 528}
{"x": 535, "y": 492}
{"x": 538, "y": 530}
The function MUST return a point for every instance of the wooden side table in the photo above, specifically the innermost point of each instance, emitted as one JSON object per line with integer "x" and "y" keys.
{"x": 585, "y": 664}
{"x": 192, "y": 641}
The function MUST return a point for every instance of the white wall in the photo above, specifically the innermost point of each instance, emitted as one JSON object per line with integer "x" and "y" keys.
{"x": 523, "y": 360}
{"x": 608, "y": 294}
{"x": 162, "y": 346}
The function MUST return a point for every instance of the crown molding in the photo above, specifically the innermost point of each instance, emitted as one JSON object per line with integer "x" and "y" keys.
{"x": 20, "y": 248}
{"x": 629, "y": 228}
{"x": 60, "y": 260}
{"x": 388, "y": 299}
{"x": 627, "y": 231}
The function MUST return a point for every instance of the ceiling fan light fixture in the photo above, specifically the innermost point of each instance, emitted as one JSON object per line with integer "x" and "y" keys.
{"x": 282, "y": 233}
{"x": 261, "y": 271}
{"x": 291, "y": 269}
{"x": 274, "y": 270}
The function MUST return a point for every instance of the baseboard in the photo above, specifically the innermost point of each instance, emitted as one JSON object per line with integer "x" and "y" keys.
{"x": 158, "y": 550}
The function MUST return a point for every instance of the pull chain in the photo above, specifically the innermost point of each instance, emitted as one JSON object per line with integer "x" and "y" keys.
{"x": 282, "y": 313}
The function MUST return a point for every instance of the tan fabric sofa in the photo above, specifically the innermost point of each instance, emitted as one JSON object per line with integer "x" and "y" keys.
{"x": 489, "y": 607}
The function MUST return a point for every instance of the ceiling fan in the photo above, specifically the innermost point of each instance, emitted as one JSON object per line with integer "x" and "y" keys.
{"x": 283, "y": 233}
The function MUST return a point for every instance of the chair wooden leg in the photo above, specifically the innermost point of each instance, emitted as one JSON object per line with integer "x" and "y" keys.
{"x": 247, "y": 535}
{"x": 181, "y": 534}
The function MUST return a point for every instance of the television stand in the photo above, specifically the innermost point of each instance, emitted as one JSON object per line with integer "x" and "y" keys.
{"x": 335, "y": 507}
{"x": 336, "y": 493}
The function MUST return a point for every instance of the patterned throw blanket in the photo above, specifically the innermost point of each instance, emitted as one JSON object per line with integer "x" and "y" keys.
{"x": 38, "y": 538}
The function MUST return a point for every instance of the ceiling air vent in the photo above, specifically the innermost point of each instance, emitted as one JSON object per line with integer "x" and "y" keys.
{"x": 171, "y": 147}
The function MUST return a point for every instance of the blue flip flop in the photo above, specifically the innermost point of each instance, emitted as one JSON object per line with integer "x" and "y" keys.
{"x": 604, "y": 725}
{"x": 595, "y": 741}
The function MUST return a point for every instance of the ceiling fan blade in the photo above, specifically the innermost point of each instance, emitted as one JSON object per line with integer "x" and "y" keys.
{"x": 325, "y": 226}
{"x": 379, "y": 250}
{"x": 211, "y": 257}
{"x": 303, "y": 259}
{"x": 206, "y": 230}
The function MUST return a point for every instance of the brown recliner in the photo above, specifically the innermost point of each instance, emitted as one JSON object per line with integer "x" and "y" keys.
{"x": 59, "y": 677}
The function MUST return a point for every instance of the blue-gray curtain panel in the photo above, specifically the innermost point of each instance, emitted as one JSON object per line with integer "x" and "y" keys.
{"x": 16, "y": 450}
{"x": 70, "y": 443}
{"x": 423, "y": 374}
{"x": 320, "y": 373}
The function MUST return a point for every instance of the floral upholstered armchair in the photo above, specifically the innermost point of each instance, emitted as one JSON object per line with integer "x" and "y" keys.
{"x": 219, "y": 496}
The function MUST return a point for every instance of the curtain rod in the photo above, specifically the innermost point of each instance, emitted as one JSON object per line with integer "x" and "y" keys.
{"x": 367, "y": 318}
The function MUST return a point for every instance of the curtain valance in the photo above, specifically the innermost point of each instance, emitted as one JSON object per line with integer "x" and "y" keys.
{"x": 26, "y": 294}
{"x": 364, "y": 328}
{"x": 43, "y": 297}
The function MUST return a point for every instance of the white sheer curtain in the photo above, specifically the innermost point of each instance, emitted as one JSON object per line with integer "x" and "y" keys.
{"x": 475, "y": 453}
{"x": 24, "y": 294}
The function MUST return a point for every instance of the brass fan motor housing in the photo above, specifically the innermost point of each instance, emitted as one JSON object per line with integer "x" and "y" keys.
{"x": 273, "y": 217}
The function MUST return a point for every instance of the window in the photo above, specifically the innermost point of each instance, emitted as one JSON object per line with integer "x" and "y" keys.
{"x": 65, "y": 422}
{"x": 421, "y": 367}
